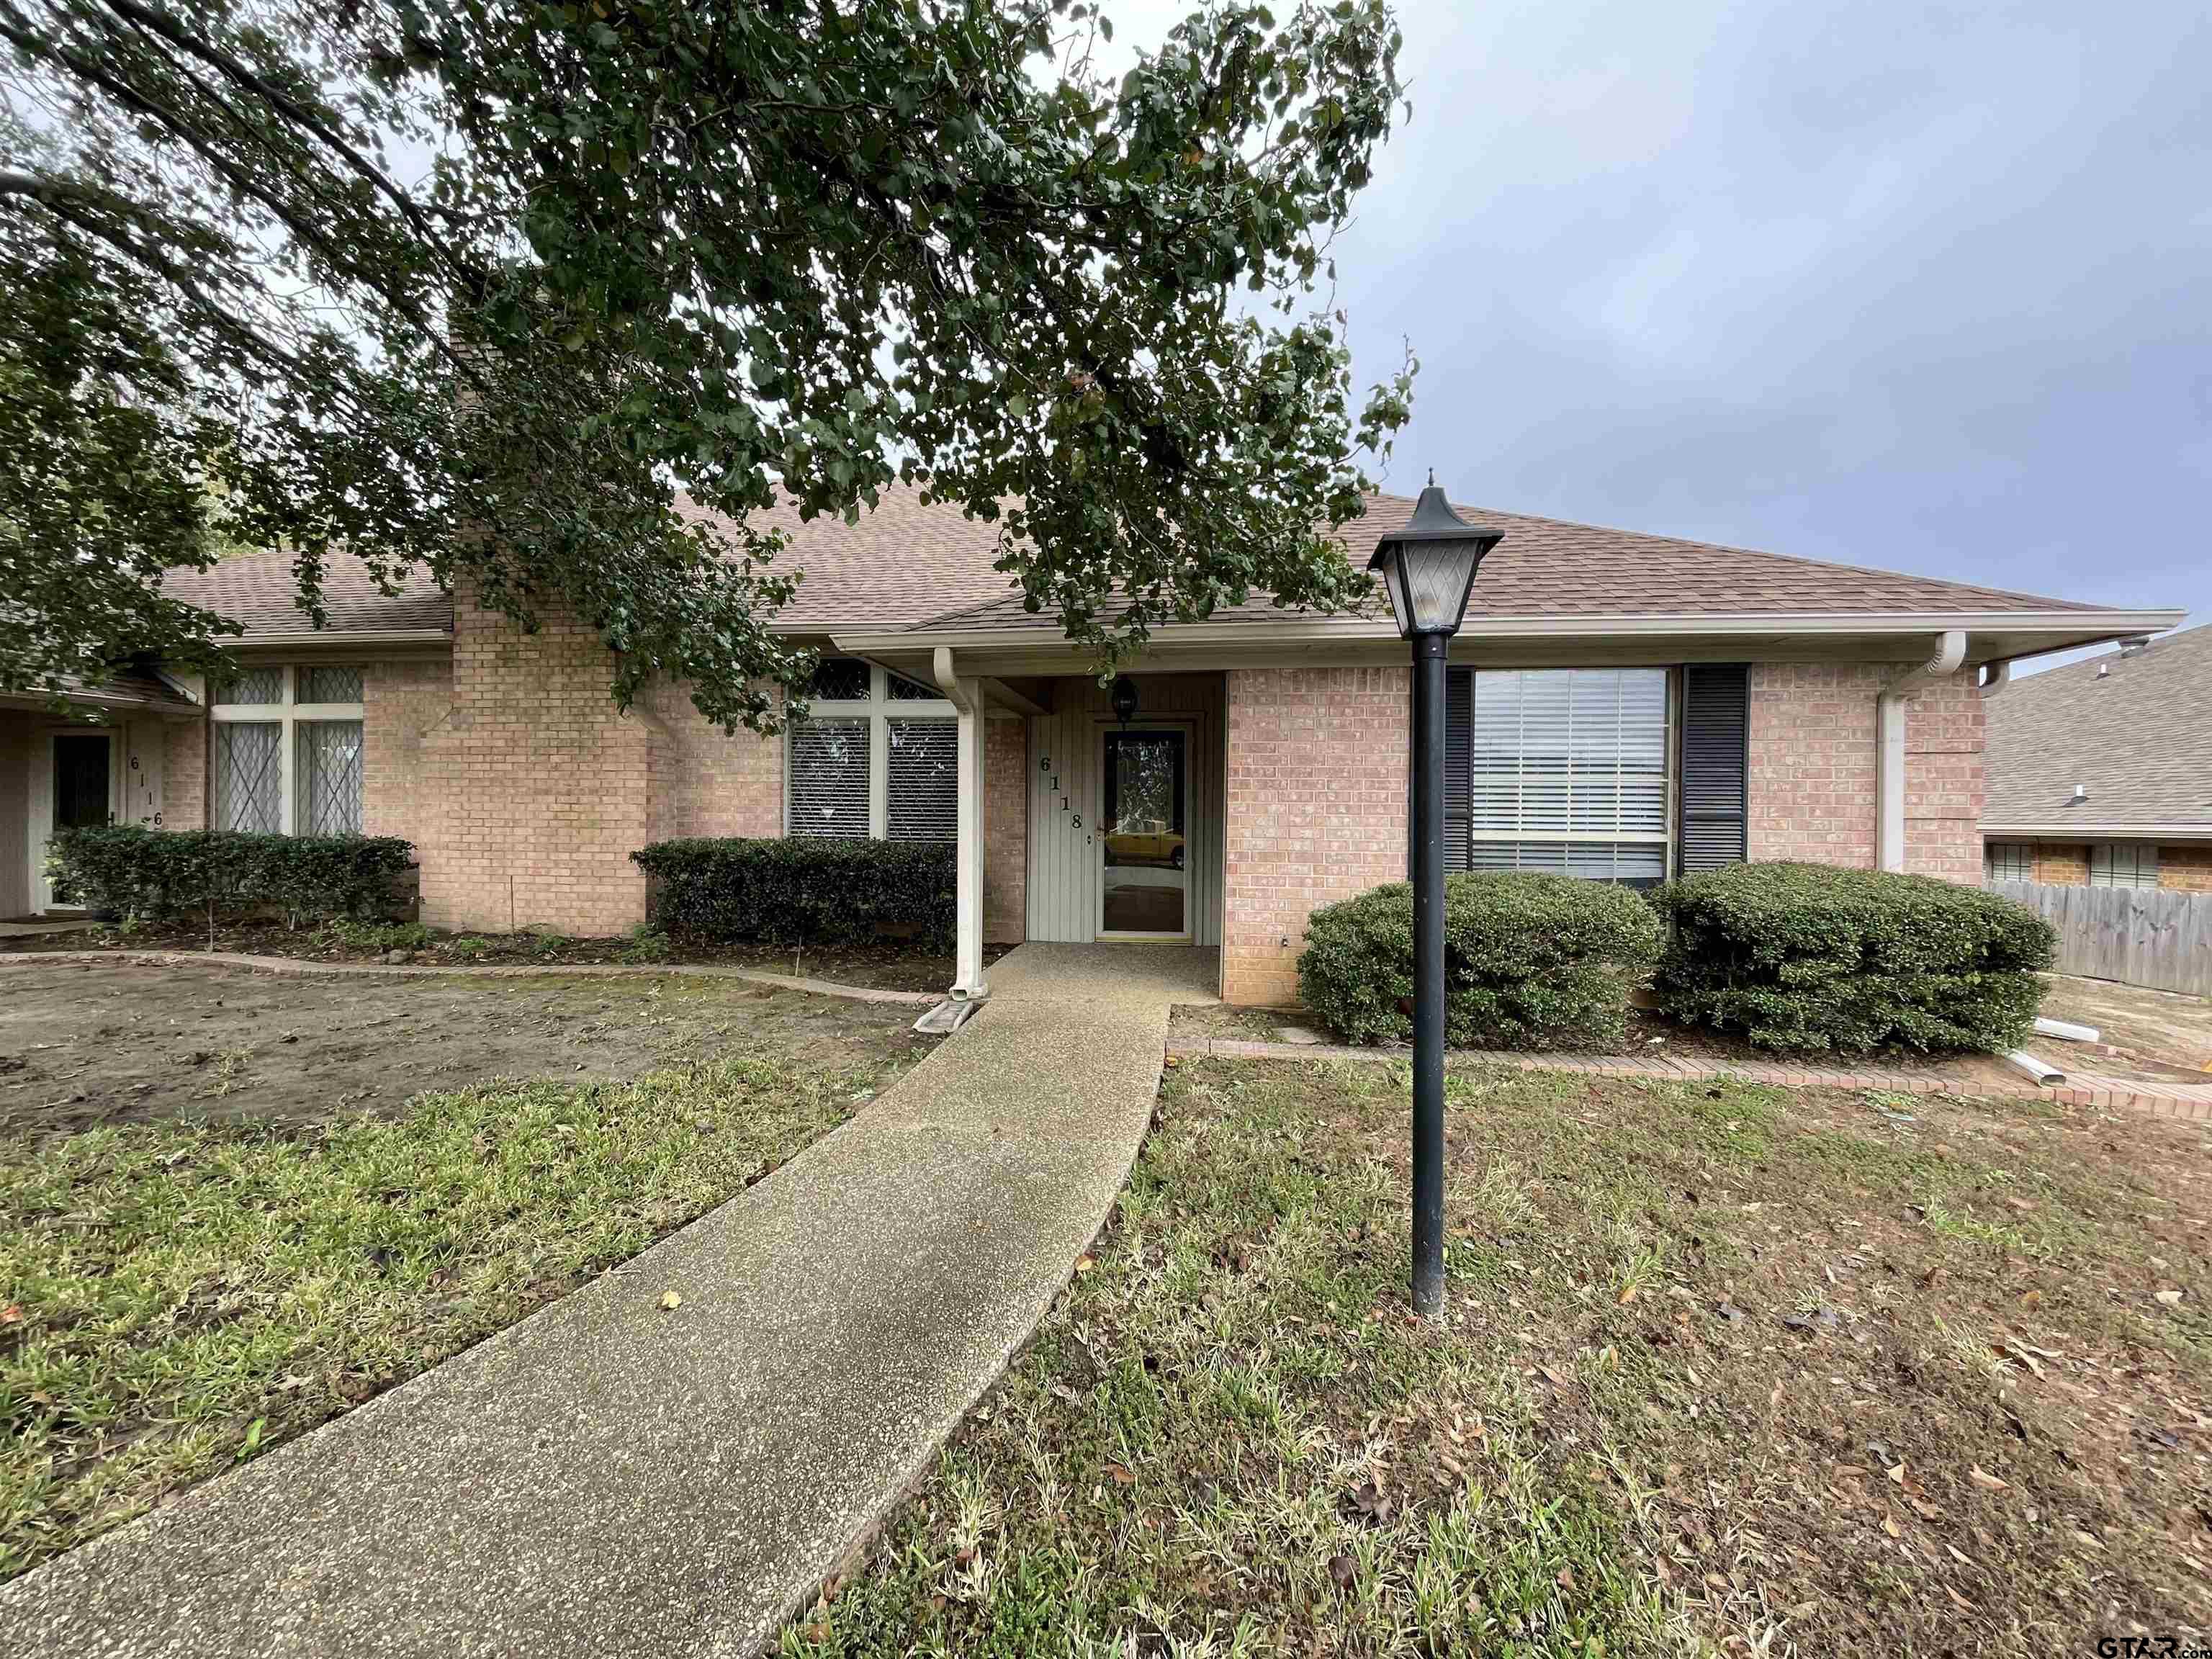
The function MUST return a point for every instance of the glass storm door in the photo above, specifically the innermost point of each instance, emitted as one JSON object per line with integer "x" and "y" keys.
{"x": 1146, "y": 891}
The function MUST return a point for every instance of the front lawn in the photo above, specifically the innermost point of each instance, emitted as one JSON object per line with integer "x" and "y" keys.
{"x": 1726, "y": 1367}
{"x": 184, "y": 1282}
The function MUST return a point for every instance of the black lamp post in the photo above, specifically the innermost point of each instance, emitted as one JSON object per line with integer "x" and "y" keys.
{"x": 1427, "y": 569}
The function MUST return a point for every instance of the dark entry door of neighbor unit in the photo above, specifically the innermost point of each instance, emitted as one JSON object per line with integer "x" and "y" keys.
{"x": 80, "y": 780}
{"x": 1146, "y": 892}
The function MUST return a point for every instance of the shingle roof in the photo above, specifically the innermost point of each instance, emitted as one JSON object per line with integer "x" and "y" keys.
{"x": 1550, "y": 567}
{"x": 904, "y": 565}
{"x": 2139, "y": 737}
{"x": 259, "y": 590}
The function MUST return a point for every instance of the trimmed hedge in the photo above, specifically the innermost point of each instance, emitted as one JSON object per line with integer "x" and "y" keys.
{"x": 127, "y": 869}
{"x": 1809, "y": 956}
{"x": 1531, "y": 961}
{"x": 802, "y": 892}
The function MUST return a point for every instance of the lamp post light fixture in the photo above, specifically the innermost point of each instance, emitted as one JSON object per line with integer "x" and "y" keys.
{"x": 1125, "y": 698}
{"x": 1427, "y": 569}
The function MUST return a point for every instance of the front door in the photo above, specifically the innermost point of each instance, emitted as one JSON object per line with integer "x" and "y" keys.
{"x": 80, "y": 790}
{"x": 1145, "y": 892}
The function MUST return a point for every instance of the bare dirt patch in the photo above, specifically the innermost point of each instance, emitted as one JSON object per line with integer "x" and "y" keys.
{"x": 89, "y": 1044}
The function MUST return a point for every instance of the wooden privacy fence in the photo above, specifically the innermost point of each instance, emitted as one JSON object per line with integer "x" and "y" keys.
{"x": 2137, "y": 935}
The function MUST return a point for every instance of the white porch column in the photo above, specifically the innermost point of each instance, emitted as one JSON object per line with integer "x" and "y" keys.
{"x": 1889, "y": 744}
{"x": 966, "y": 695}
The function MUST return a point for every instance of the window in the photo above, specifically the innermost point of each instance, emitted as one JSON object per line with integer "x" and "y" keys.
{"x": 858, "y": 770}
{"x": 2124, "y": 863}
{"x": 287, "y": 751}
{"x": 2008, "y": 860}
{"x": 1568, "y": 773}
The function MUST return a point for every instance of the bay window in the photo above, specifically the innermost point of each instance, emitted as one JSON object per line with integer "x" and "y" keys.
{"x": 875, "y": 759}
{"x": 286, "y": 750}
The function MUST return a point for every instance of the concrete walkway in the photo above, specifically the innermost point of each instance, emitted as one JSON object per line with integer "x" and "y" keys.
{"x": 608, "y": 1478}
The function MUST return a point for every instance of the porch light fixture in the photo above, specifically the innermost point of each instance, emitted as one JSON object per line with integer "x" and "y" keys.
{"x": 1427, "y": 569}
{"x": 1125, "y": 698}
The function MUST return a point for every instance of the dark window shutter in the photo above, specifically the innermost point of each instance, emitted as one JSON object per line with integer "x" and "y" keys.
{"x": 1458, "y": 749}
{"x": 1716, "y": 763}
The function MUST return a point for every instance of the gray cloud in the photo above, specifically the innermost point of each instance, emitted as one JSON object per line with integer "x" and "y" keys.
{"x": 1916, "y": 286}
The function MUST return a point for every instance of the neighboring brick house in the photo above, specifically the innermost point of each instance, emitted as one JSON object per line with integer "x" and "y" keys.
{"x": 2100, "y": 771}
{"x": 1622, "y": 705}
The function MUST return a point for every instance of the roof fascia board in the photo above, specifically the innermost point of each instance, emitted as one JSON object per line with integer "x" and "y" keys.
{"x": 2081, "y": 625}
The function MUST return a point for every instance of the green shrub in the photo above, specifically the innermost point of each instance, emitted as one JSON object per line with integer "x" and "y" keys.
{"x": 129, "y": 871}
{"x": 645, "y": 946}
{"x": 378, "y": 937}
{"x": 1530, "y": 962}
{"x": 1808, "y": 956}
{"x": 802, "y": 892}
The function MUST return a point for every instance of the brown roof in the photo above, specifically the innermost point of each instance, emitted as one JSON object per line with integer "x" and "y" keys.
{"x": 2139, "y": 737}
{"x": 1549, "y": 567}
{"x": 904, "y": 565}
{"x": 259, "y": 590}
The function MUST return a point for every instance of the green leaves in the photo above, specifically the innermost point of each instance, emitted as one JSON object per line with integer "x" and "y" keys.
{"x": 661, "y": 253}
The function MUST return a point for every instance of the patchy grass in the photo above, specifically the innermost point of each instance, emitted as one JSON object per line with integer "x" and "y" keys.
{"x": 182, "y": 1294}
{"x": 1726, "y": 1368}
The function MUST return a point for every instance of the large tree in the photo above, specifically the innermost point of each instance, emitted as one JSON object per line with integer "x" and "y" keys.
{"x": 484, "y": 286}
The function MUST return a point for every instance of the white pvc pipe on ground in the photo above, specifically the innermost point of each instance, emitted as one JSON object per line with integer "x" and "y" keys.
{"x": 2034, "y": 1067}
{"x": 2064, "y": 1030}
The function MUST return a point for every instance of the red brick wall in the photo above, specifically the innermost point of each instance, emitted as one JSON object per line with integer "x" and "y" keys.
{"x": 1316, "y": 810}
{"x": 1816, "y": 792}
{"x": 2060, "y": 866}
{"x": 536, "y": 786}
{"x": 183, "y": 775}
{"x": 401, "y": 704}
{"x": 2186, "y": 869}
{"x": 1813, "y": 793}
{"x": 705, "y": 782}
{"x": 1006, "y": 831}
{"x": 1944, "y": 783}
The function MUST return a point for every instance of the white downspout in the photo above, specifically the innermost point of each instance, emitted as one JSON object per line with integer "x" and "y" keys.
{"x": 966, "y": 695}
{"x": 1889, "y": 742}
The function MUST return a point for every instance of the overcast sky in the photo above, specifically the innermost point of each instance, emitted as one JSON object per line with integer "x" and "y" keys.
{"x": 1920, "y": 286}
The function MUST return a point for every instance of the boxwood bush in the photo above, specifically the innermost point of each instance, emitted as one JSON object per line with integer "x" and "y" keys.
{"x": 1809, "y": 956}
{"x": 1530, "y": 962}
{"x": 803, "y": 892}
{"x": 126, "y": 870}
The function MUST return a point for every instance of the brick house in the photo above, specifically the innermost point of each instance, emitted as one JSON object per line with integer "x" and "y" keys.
{"x": 2100, "y": 772}
{"x": 1620, "y": 706}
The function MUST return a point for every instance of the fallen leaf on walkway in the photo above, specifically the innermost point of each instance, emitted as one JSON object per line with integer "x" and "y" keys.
{"x": 1085, "y": 1263}
{"x": 670, "y": 1299}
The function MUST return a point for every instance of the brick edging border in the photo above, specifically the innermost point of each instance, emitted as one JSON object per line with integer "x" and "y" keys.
{"x": 2115, "y": 1093}
{"x": 491, "y": 970}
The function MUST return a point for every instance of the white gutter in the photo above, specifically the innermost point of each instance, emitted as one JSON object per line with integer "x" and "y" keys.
{"x": 966, "y": 696}
{"x": 2072, "y": 831}
{"x": 1298, "y": 628}
{"x": 341, "y": 639}
{"x": 1889, "y": 740}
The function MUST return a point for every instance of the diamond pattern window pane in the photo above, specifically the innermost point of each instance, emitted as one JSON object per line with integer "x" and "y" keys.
{"x": 252, "y": 686}
{"x": 840, "y": 679}
{"x": 329, "y": 778}
{"x": 248, "y": 783}
{"x": 830, "y": 778}
{"x": 333, "y": 685}
{"x": 906, "y": 691}
{"x": 925, "y": 781}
